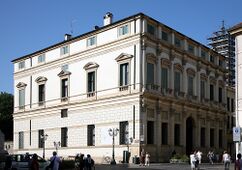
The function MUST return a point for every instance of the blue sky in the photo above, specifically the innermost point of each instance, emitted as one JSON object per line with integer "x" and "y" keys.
{"x": 30, "y": 25}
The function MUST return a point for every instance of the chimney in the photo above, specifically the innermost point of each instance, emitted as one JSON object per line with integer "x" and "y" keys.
{"x": 108, "y": 19}
{"x": 67, "y": 37}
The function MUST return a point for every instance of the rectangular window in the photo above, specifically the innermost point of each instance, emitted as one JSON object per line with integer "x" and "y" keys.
{"x": 91, "y": 41}
{"x": 150, "y": 73}
{"x": 221, "y": 63}
{"x": 177, "y": 81}
{"x": 124, "y": 133}
{"x": 232, "y": 105}
{"x": 21, "y": 98}
{"x": 190, "y": 85}
{"x": 211, "y": 92}
{"x": 220, "y": 138}
{"x": 164, "y": 134}
{"x": 150, "y": 132}
{"x": 91, "y": 82}
{"x": 64, "y": 50}
{"x": 21, "y": 140}
{"x": 64, "y": 88}
{"x": 91, "y": 135}
{"x": 164, "y": 36}
{"x": 41, "y": 94}
{"x": 228, "y": 104}
{"x": 203, "y": 54}
{"x": 123, "y": 30}
{"x": 191, "y": 49}
{"x": 64, "y": 136}
{"x": 211, "y": 58}
{"x": 177, "y": 135}
{"x": 220, "y": 95}
{"x": 64, "y": 67}
{"x": 164, "y": 78}
{"x": 202, "y": 137}
{"x": 41, "y": 58}
{"x": 21, "y": 65}
{"x": 64, "y": 113}
{"x": 202, "y": 89}
{"x": 177, "y": 42}
{"x": 211, "y": 137}
{"x": 151, "y": 29}
{"x": 41, "y": 139}
{"x": 124, "y": 72}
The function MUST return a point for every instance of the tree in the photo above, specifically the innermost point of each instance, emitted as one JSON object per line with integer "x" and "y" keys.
{"x": 6, "y": 115}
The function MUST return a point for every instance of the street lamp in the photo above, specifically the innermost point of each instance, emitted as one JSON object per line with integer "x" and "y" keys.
{"x": 113, "y": 132}
{"x": 44, "y": 138}
{"x": 56, "y": 145}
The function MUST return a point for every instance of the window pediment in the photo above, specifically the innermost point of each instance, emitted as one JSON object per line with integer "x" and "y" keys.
{"x": 221, "y": 83}
{"x": 178, "y": 66}
{"x": 123, "y": 56}
{"x": 212, "y": 80}
{"x": 151, "y": 57}
{"x": 203, "y": 76}
{"x": 41, "y": 79}
{"x": 64, "y": 73}
{"x": 91, "y": 65}
{"x": 165, "y": 62}
{"x": 191, "y": 71}
{"x": 21, "y": 85}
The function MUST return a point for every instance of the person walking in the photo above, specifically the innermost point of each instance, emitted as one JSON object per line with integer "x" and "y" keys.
{"x": 81, "y": 162}
{"x": 34, "y": 165}
{"x": 238, "y": 162}
{"x": 194, "y": 160}
{"x": 226, "y": 160}
{"x": 210, "y": 156}
{"x": 147, "y": 159}
{"x": 89, "y": 162}
{"x": 142, "y": 156}
{"x": 55, "y": 160}
{"x": 199, "y": 156}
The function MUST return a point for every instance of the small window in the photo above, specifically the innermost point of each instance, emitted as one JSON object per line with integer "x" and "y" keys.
{"x": 202, "y": 89}
{"x": 220, "y": 94}
{"x": 91, "y": 41}
{"x": 211, "y": 92}
{"x": 65, "y": 67}
{"x": 164, "y": 78}
{"x": 211, "y": 58}
{"x": 177, "y": 81}
{"x": 64, "y": 50}
{"x": 64, "y": 137}
{"x": 151, "y": 29}
{"x": 191, "y": 49}
{"x": 64, "y": 113}
{"x": 41, "y": 94}
{"x": 41, "y": 58}
{"x": 228, "y": 104}
{"x": 21, "y": 65}
{"x": 64, "y": 88}
{"x": 164, "y": 36}
{"x": 124, "y": 73}
{"x": 190, "y": 86}
{"x": 91, "y": 135}
{"x": 150, "y": 73}
{"x": 123, "y": 30}
{"x": 221, "y": 63}
{"x": 203, "y": 54}
{"x": 177, "y": 42}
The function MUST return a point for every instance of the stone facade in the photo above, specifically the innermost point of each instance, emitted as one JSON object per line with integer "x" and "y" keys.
{"x": 159, "y": 87}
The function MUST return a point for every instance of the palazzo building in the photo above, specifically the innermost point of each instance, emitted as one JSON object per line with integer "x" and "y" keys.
{"x": 160, "y": 88}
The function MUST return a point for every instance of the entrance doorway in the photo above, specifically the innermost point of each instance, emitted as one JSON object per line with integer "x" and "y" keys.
{"x": 189, "y": 135}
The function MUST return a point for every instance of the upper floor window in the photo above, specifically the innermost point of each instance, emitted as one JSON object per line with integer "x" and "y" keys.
{"x": 124, "y": 73}
{"x": 191, "y": 49}
{"x": 232, "y": 105}
{"x": 64, "y": 50}
{"x": 164, "y": 36}
{"x": 177, "y": 42}
{"x": 150, "y": 29}
{"x": 91, "y": 69}
{"x": 211, "y": 92}
{"x": 190, "y": 85}
{"x": 202, "y": 89}
{"x": 64, "y": 67}
{"x": 220, "y": 94}
{"x": 41, "y": 58}
{"x": 21, "y": 94}
{"x": 21, "y": 65}
{"x": 211, "y": 58}
{"x": 91, "y": 135}
{"x": 221, "y": 63}
{"x": 91, "y": 41}
{"x": 123, "y": 30}
{"x": 177, "y": 81}
{"x": 203, "y": 54}
{"x": 64, "y": 88}
{"x": 41, "y": 93}
{"x": 124, "y": 133}
{"x": 64, "y": 136}
{"x": 150, "y": 73}
{"x": 64, "y": 113}
{"x": 164, "y": 78}
{"x": 228, "y": 104}
{"x": 91, "y": 82}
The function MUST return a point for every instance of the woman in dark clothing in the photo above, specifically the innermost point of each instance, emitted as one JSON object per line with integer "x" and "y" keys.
{"x": 81, "y": 162}
{"x": 34, "y": 163}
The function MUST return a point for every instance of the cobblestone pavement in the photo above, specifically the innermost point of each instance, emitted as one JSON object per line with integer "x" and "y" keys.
{"x": 161, "y": 166}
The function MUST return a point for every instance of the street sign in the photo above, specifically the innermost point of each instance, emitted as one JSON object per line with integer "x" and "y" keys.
{"x": 236, "y": 134}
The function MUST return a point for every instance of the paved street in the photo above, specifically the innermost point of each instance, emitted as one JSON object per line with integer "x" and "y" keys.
{"x": 161, "y": 166}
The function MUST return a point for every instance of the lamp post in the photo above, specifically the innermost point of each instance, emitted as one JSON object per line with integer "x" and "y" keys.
{"x": 113, "y": 132}
{"x": 44, "y": 138}
{"x": 56, "y": 145}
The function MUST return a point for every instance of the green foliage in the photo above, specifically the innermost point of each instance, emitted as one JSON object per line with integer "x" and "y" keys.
{"x": 183, "y": 158}
{"x": 6, "y": 115}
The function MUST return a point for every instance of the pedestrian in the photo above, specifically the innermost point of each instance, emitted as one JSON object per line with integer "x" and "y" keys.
{"x": 199, "y": 156}
{"x": 142, "y": 157}
{"x": 226, "y": 160}
{"x": 77, "y": 157}
{"x": 193, "y": 160}
{"x": 54, "y": 161}
{"x": 238, "y": 162}
{"x": 147, "y": 159}
{"x": 89, "y": 162}
{"x": 34, "y": 165}
{"x": 210, "y": 156}
{"x": 81, "y": 162}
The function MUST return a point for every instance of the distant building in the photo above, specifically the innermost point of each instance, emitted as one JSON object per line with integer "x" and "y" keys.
{"x": 223, "y": 43}
{"x": 160, "y": 88}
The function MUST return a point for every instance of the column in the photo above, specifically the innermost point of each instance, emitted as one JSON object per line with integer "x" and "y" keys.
{"x": 198, "y": 80}
{"x": 171, "y": 127}
{"x": 171, "y": 72}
